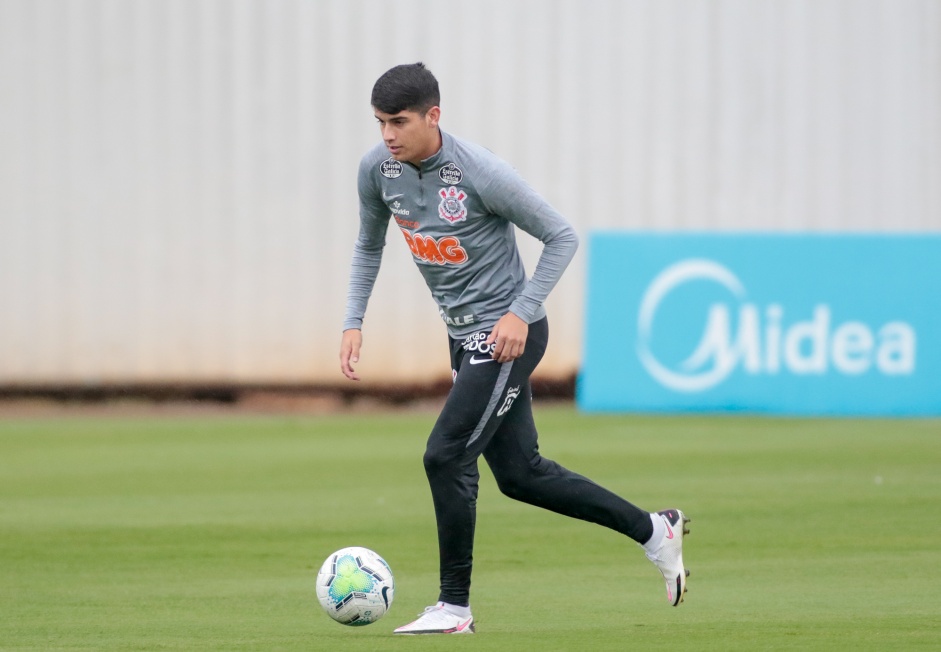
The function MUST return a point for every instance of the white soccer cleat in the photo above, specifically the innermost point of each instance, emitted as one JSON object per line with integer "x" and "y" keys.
{"x": 668, "y": 558}
{"x": 438, "y": 620}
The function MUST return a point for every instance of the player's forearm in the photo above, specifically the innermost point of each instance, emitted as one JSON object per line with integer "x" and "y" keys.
{"x": 556, "y": 256}
{"x": 363, "y": 272}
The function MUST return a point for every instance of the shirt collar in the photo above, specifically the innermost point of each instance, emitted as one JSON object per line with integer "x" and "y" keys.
{"x": 441, "y": 156}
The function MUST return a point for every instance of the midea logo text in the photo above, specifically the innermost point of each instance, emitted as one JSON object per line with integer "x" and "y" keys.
{"x": 762, "y": 343}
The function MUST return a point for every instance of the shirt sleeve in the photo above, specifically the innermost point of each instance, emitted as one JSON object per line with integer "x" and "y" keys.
{"x": 506, "y": 194}
{"x": 367, "y": 250}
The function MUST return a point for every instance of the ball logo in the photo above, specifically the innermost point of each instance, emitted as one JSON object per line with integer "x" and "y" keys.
{"x": 763, "y": 343}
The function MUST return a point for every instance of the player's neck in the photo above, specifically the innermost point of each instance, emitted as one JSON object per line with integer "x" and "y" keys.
{"x": 434, "y": 146}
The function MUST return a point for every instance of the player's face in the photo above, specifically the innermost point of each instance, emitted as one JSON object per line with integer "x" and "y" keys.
{"x": 410, "y": 136}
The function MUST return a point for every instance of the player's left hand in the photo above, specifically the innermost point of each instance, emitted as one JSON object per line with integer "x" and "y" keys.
{"x": 509, "y": 338}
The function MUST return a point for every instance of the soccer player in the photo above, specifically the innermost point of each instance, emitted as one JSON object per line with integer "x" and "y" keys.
{"x": 457, "y": 206}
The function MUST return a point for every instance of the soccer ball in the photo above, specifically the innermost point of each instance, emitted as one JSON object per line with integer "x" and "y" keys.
{"x": 355, "y": 586}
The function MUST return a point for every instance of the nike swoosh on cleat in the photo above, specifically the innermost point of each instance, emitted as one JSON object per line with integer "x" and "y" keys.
{"x": 475, "y": 360}
{"x": 669, "y": 534}
{"x": 460, "y": 627}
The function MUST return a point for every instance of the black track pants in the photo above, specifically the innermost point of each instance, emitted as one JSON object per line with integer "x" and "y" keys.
{"x": 489, "y": 412}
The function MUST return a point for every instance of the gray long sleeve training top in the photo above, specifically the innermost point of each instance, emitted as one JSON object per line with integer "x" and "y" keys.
{"x": 456, "y": 213}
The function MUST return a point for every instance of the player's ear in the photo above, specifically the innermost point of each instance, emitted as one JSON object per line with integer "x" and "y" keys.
{"x": 432, "y": 116}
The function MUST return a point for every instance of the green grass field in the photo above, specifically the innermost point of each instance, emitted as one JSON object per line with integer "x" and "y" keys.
{"x": 206, "y": 533}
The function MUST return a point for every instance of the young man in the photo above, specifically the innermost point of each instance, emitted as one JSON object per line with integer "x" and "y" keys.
{"x": 456, "y": 206}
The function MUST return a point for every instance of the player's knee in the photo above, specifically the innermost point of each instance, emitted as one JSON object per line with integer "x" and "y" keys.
{"x": 522, "y": 482}
{"x": 438, "y": 461}
{"x": 516, "y": 485}
{"x": 512, "y": 488}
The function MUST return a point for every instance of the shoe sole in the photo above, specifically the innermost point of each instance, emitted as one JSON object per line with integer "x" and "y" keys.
{"x": 464, "y": 629}
{"x": 681, "y": 578}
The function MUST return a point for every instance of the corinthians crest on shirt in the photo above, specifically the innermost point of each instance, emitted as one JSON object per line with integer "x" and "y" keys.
{"x": 452, "y": 206}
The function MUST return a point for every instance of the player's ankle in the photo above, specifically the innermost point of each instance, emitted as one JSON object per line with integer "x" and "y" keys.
{"x": 659, "y": 530}
{"x": 463, "y": 611}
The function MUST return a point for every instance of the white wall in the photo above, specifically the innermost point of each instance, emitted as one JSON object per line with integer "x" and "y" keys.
{"x": 177, "y": 177}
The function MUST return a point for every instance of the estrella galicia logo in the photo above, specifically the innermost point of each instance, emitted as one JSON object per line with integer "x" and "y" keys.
{"x": 390, "y": 168}
{"x": 451, "y": 174}
{"x": 764, "y": 343}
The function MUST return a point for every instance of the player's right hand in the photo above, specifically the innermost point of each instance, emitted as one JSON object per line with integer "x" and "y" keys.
{"x": 349, "y": 351}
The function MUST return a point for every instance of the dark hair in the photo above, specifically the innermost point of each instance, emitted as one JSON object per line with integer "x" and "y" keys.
{"x": 409, "y": 87}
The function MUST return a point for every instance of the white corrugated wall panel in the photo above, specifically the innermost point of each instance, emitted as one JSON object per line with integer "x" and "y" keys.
{"x": 177, "y": 177}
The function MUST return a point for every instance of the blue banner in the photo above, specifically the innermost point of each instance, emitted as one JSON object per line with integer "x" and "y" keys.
{"x": 774, "y": 323}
